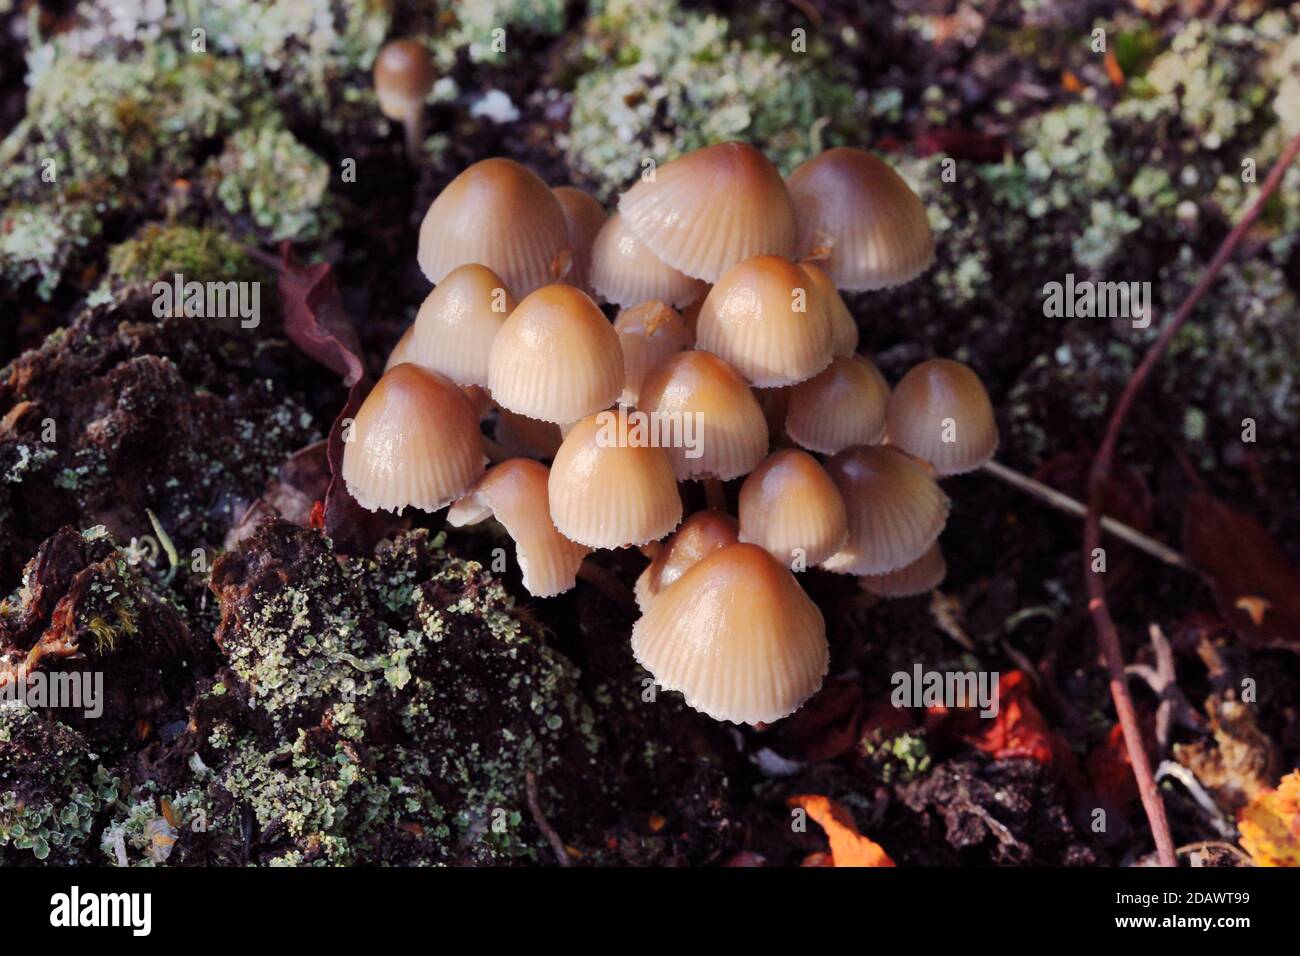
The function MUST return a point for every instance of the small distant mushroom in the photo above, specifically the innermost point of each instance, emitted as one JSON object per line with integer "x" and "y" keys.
{"x": 556, "y": 358}
{"x": 699, "y": 535}
{"x": 625, "y": 272}
{"x": 415, "y": 442}
{"x": 924, "y": 574}
{"x": 895, "y": 510}
{"x": 706, "y": 211}
{"x": 839, "y": 407}
{"x": 648, "y": 334}
{"x": 860, "y": 219}
{"x": 941, "y": 413}
{"x": 607, "y": 490}
{"x": 844, "y": 330}
{"x": 790, "y": 506}
{"x": 404, "y": 75}
{"x": 583, "y": 219}
{"x": 458, "y": 322}
{"x": 515, "y": 492}
{"x": 737, "y": 636}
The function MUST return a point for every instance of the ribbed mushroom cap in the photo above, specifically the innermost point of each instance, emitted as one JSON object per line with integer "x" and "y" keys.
{"x": 556, "y": 358}
{"x": 705, "y": 211}
{"x": 774, "y": 402}
{"x": 458, "y": 322}
{"x": 699, "y": 535}
{"x": 924, "y": 574}
{"x": 415, "y": 441}
{"x": 606, "y": 491}
{"x": 404, "y": 75}
{"x": 528, "y": 437}
{"x": 500, "y": 215}
{"x": 940, "y": 412}
{"x": 402, "y": 351}
{"x": 895, "y": 510}
{"x": 625, "y": 272}
{"x": 648, "y": 333}
{"x": 790, "y": 506}
{"x": 583, "y": 219}
{"x": 480, "y": 399}
{"x": 751, "y": 318}
{"x": 840, "y": 407}
{"x": 737, "y": 636}
{"x": 515, "y": 491}
{"x": 855, "y": 206}
{"x": 711, "y": 408}
{"x": 844, "y": 330}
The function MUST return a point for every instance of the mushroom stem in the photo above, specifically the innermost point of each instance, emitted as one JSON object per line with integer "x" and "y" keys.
{"x": 1050, "y": 496}
{"x": 608, "y": 584}
{"x": 413, "y": 128}
{"x": 495, "y": 451}
{"x": 716, "y": 494}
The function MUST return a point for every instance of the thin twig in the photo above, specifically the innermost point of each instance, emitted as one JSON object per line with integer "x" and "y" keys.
{"x": 539, "y": 818}
{"x": 1098, "y": 481}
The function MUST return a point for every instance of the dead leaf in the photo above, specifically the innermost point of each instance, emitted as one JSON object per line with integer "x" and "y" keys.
{"x": 1240, "y": 763}
{"x": 848, "y": 846}
{"x": 1270, "y": 824}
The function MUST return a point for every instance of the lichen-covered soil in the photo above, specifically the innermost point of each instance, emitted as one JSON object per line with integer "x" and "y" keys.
{"x": 272, "y": 697}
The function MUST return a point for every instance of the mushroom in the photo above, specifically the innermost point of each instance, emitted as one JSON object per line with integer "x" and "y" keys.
{"x": 710, "y": 408}
{"x": 699, "y": 535}
{"x": 861, "y": 219}
{"x": 608, "y": 489}
{"x": 844, "y": 330}
{"x": 895, "y": 510}
{"x": 624, "y": 271}
{"x": 414, "y": 441}
{"x": 838, "y": 408}
{"x": 790, "y": 506}
{"x": 924, "y": 574}
{"x": 710, "y": 209}
{"x": 502, "y": 216}
{"x": 941, "y": 413}
{"x": 527, "y": 437}
{"x": 766, "y": 318}
{"x": 556, "y": 358}
{"x": 404, "y": 75}
{"x": 458, "y": 322}
{"x": 515, "y": 491}
{"x": 403, "y": 350}
{"x": 583, "y": 219}
{"x": 647, "y": 333}
{"x": 737, "y": 636}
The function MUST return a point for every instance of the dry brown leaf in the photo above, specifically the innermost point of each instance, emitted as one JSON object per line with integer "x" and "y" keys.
{"x": 1270, "y": 824}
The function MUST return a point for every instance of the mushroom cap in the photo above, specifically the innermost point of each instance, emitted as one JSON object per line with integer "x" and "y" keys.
{"x": 458, "y": 322}
{"x": 624, "y": 271}
{"x": 527, "y": 437}
{"x": 607, "y": 492}
{"x": 895, "y": 510}
{"x": 767, "y": 319}
{"x": 501, "y": 215}
{"x": 415, "y": 441}
{"x": 699, "y": 390}
{"x": 840, "y": 407}
{"x": 924, "y": 574}
{"x": 556, "y": 357}
{"x": 737, "y": 636}
{"x": 404, "y": 74}
{"x": 941, "y": 413}
{"x": 705, "y": 211}
{"x": 699, "y": 535}
{"x": 844, "y": 330}
{"x": 875, "y": 226}
{"x": 402, "y": 351}
{"x": 515, "y": 491}
{"x": 648, "y": 334}
{"x": 583, "y": 219}
{"x": 790, "y": 506}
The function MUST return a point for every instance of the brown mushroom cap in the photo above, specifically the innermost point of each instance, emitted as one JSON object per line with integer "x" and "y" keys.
{"x": 737, "y": 636}
{"x": 624, "y": 271}
{"x": 583, "y": 219}
{"x": 766, "y": 318}
{"x": 458, "y": 322}
{"x": 710, "y": 209}
{"x": 404, "y": 74}
{"x": 648, "y": 334}
{"x": 924, "y": 574}
{"x": 402, "y": 351}
{"x": 556, "y": 358}
{"x": 895, "y": 510}
{"x": 840, "y": 407}
{"x": 699, "y": 535}
{"x": 515, "y": 491}
{"x": 844, "y": 330}
{"x": 608, "y": 492}
{"x": 874, "y": 226}
{"x": 501, "y": 215}
{"x": 790, "y": 506}
{"x": 941, "y": 413}
{"x": 526, "y": 437}
{"x": 415, "y": 441}
{"x": 700, "y": 391}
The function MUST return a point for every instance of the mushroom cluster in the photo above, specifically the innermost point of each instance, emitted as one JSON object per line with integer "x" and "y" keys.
{"x": 757, "y": 381}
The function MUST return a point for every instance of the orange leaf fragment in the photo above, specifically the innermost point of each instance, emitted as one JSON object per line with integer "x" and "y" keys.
{"x": 848, "y": 846}
{"x": 1270, "y": 824}
{"x": 1255, "y": 607}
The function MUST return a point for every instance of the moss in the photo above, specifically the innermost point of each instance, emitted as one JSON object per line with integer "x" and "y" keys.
{"x": 470, "y": 25}
{"x": 159, "y": 251}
